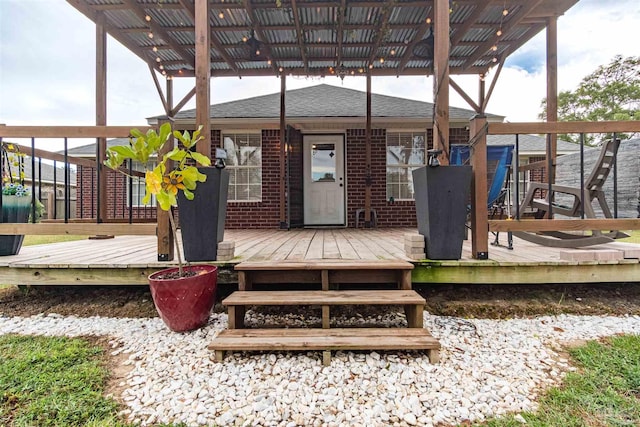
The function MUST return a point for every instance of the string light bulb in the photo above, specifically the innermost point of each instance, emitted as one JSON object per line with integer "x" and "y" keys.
{"x": 147, "y": 18}
{"x": 155, "y": 48}
{"x": 150, "y": 35}
{"x": 158, "y": 59}
{"x": 381, "y": 60}
{"x": 281, "y": 69}
{"x": 428, "y": 20}
{"x": 269, "y": 62}
{"x": 505, "y": 12}
{"x": 393, "y": 52}
{"x": 495, "y": 59}
{"x": 371, "y": 66}
{"x": 221, "y": 15}
{"x": 499, "y": 33}
{"x": 494, "y": 48}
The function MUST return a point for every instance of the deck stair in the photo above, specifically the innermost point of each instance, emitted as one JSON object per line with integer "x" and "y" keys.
{"x": 326, "y": 339}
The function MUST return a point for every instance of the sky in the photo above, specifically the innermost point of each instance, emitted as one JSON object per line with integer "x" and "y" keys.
{"x": 47, "y": 67}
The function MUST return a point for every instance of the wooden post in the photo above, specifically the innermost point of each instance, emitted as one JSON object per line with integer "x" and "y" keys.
{"x": 441, "y": 79}
{"x": 283, "y": 189}
{"x": 479, "y": 215}
{"x": 367, "y": 161}
{"x": 552, "y": 90}
{"x": 101, "y": 115}
{"x": 165, "y": 241}
{"x": 481, "y": 93}
{"x": 203, "y": 75}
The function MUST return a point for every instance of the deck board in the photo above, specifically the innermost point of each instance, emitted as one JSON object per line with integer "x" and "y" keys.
{"x": 527, "y": 263}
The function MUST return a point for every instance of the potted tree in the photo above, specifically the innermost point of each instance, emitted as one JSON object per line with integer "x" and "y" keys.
{"x": 183, "y": 296}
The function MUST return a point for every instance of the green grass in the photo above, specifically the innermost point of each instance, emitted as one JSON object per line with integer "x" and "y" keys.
{"x": 41, "y": 240}
{"x": 605, "y": 391}
{"x": 52, "y": 381}
{"x": 634, "y": 237}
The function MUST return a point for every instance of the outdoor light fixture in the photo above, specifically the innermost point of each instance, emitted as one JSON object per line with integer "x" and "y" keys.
{"x": 425, "y": 47}
{"x": 254, "y": 45}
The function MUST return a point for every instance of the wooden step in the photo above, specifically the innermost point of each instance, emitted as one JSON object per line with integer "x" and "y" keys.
{"x": 324, "y": 272}
{"x": 325, "y": 265}
{"x": 326, "y": 340}
{"x": 364, "y": 297}
{"x": 237, "y": 302}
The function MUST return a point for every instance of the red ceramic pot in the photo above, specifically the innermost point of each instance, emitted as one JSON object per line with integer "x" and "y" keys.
{"x": 184, "y": 303}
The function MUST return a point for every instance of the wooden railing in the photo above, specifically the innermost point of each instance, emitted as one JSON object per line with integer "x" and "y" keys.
{"x": 480, "y": 222}
{"x": 100, "y": 224}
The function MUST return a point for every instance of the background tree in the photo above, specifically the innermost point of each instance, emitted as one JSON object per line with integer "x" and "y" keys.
{"x": 611, "y": 92}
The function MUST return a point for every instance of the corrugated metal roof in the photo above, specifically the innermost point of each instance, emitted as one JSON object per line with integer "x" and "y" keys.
{"x": 377, "y": 26}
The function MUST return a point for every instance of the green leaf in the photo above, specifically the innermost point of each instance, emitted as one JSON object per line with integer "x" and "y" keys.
{"x": 200, "y": 158}
{"x": 136, "y": 133}
{"x": 176, "y": 154}
{"x": 164, "y": 201}
{"x": 124, "y": 151}
{"x": 188, "y": 194}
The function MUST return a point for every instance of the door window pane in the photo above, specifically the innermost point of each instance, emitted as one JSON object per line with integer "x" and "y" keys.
{"x": 323, "y": 162}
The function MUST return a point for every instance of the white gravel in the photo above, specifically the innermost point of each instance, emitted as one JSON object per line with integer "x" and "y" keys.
{"x": 487, "y": 368}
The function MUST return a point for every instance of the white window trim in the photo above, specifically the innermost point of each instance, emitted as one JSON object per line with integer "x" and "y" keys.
{"x": 224, "y": 132}
{"x": 409, "y": 167}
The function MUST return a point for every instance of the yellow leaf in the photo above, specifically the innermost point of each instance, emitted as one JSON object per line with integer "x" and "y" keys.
{"x": 154, "y": 182}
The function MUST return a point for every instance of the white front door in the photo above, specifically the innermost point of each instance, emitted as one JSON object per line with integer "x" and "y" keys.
{"x": 324, "y": 181}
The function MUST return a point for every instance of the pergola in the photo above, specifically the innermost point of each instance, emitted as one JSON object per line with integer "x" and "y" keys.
{"x": 238, "y": 38}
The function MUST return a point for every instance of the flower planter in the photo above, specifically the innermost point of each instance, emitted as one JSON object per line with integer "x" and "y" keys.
{"x": 184, "y": 303}
{"x": 202, "y": 219}
{"x": 15, "y": 209}
{"x": 442, "y": 195}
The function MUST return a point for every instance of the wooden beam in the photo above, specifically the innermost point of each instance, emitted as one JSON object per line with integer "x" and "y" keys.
{"x": 101, "y": 115}
{"x": 203, "y": 76}
{"x": 340, "y": 31}
{"x": 80, "y": 229}
{"x": 283, "y": 159}
{"x": 535, "y": 225}
{"x": 54, "y": 156}
{"x": 564, "y": 127}
{"x": 169, "y": 92}
{"x": 68, "y": 131}
{"x": 441, "y": 80}
{"x": 167, "y": 110}
{"x": 470, "y": 21}
{"x": 492, "y": 86}
{"x": 114, "y": 32}
{"x": 367, "y": 161}
{"x": 464, "y": 95}
{"x": 552, "y": 90}
{"x": 300, "y": 35}
{"x": 159, "y": 31}
{"x": 215, "y": 43}
{"x": 381, "y": 29}
{"x": 479, "y": 190}
{"x": 420, "y": 32}
{"x": 482, "y": 93}
{"x": 514, "y": 19}
{"x": 183, "y": 102}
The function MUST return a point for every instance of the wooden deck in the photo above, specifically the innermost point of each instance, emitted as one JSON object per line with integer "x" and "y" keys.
{"x": 129, "y": 259}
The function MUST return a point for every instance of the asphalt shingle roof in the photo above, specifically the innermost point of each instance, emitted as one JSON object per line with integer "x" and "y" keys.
{"x": 531, "y": 143}
{"x": 326, "y": 101}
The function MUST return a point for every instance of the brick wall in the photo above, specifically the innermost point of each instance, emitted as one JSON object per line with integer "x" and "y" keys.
{"x": 117, "y": 198}
{"x": 266, "y": 213}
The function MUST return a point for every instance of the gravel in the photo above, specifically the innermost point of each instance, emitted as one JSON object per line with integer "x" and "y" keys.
{"x": 488, "y": 368}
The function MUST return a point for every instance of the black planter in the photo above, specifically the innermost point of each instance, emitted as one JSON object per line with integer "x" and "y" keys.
{"x": 202, "y": 219}
{"x": 442, "y": 195}
{"x": 14, "y": 210}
